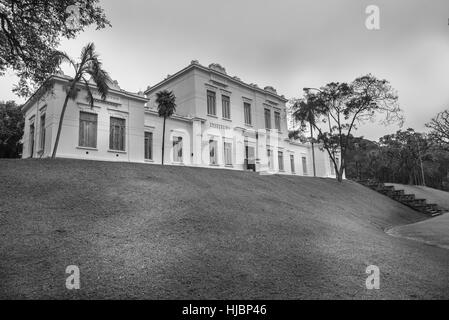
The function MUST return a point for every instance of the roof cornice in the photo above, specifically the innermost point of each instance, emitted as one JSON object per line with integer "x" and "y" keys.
{"x": 212, "y": 71}
{"x": 64, "y": 79}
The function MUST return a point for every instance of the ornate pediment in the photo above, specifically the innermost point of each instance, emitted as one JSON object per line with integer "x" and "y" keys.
{"x": 217, "y": 67}
{"x": 270, "y": 89}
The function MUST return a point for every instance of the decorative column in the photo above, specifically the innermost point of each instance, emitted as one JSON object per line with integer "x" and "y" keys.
{"x": 239, "y": 148}
{"x": 196, "y": 142}
{"x": 262, "y": 158}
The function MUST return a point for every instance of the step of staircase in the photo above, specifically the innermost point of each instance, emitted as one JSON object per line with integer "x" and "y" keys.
{"x": 409, "y": 200}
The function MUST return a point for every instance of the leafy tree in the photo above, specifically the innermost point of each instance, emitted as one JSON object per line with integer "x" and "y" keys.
{"x": 343, "y": 107}
{"x": 440, "y": 129}
{"x": 11, "y": 129}
{"x": 360, "y": 158}
{"x": 30, "y": 32}
{"x": 166, "y": 105}
{"x": 89, "y": 65}
{"x": 405, "y": 157}
{"x": 404, "y": 152}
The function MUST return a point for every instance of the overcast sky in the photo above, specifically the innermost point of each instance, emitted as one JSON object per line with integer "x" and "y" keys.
{"x": 288, "y": 44}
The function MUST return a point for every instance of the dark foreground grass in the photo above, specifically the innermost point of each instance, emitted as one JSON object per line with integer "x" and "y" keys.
{"x": 144, "y": 231}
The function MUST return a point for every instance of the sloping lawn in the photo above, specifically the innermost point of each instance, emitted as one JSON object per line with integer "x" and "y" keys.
{"x": 433, "y": 231}
{"x": 146, "y": 231}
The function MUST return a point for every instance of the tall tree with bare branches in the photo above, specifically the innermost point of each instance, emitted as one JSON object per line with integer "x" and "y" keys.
{"x": 440, "y": 129}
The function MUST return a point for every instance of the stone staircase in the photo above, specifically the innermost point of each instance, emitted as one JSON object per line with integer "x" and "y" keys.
{"x": 409, "y": 200}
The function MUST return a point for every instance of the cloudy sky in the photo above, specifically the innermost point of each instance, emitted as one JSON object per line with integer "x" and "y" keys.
{"x": 288, "y": 44}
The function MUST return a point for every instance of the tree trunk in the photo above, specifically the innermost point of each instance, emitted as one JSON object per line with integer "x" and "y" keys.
{"x": 340, "y": 175}
{"x": 313, "y": 150}
{"x": 339, "y": 171}
{"x": 61, "y": 119}
{"x": 410, "y": 178}
{"x": 163, "y": 141}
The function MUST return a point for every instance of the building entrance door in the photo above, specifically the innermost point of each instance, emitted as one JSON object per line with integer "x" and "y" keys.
{"x": 250, "y": 158}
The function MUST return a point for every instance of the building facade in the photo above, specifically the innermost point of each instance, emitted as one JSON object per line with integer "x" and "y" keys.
{"x": 220, "y": 122}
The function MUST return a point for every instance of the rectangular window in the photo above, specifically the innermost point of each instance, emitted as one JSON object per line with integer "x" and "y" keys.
{"x": 226, "y": 104}
{"x": 88, "y": 130}
{"x": 281, "y": 160}
{"x": 177, "y": 149}
{"x": 267, "y": 119}
{"x": 247, "y": 112}
{"x": 304, "y": 166}
{"x": 117, "y": 134}
{"x": 228, "y": 153}
{"x": 42, "y": 133}
{"x": 250, "y": 160}
{"x": 213, "y": 151}
{"x": 149, "y": 145}
{"x": 292, "y": 163}
{"x": 211, "y": 106}
{"x": 277, "y": 120}
{"x": 31, "y": 140}
{"x": 270, "y": 158}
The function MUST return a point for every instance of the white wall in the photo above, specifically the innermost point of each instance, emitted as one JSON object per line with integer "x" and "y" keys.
{"x": 191, "y": 122}
{"x": 127, "y": 108}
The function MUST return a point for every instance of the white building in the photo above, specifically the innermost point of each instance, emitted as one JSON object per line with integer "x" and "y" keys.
{"x": 220, "y": 122}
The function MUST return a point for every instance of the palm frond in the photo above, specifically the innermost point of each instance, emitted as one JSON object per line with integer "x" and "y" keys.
{"x": 166, "y": 101}
{"x": 101, "y": 79}
{"x": 90, "y": 96}
{"x": 87, "y": 52}
{"x": 91, "y": 65}
{"x": 60, "y": 57}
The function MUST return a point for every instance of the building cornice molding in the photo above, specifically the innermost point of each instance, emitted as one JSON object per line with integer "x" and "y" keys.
{"x": 173, "y": 117}
{"x": 235, "y": 80}
{"x": 64, "y": 79}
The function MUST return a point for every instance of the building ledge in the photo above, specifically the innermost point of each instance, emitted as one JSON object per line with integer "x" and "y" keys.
{"x": 87, "y": 148}
{"x": 117, "y": 151}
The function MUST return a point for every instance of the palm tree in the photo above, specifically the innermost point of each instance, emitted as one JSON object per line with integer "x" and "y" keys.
{"x": 166, "y": 105}
{"x": 305, "y": 112}
{"x": 89, "y": 65}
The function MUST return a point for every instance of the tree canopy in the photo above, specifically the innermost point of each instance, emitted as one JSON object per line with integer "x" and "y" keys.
{"x": 405, "y": 157}
{"x": 11, "y": 129}
{"x": 30, "y": 33}
{"x": 166, "y": 103}
{"x": 440, "y": 129}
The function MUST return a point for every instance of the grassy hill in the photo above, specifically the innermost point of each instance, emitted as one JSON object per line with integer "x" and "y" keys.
{"x": 432, "y": 231}
{"x": 146, "y": 231}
